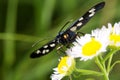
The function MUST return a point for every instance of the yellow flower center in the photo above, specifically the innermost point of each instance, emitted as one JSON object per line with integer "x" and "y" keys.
{"x": 91, "y": 47}
{"x": 115, "y": 38}
{"x": 66, "y": 65}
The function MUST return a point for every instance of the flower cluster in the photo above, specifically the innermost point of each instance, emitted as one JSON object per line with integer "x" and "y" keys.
{"x": 87, "y": 47}
{"x": 90, "y": 45}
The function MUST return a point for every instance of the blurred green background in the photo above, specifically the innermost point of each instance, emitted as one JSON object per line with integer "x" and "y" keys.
{"x": 23, "y": 22}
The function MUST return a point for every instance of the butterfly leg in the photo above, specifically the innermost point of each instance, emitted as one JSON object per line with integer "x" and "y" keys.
{"x": 60, "y": 50}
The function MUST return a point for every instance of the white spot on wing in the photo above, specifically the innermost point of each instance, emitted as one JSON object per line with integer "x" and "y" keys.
{"x": 47, "y": 50}
{"x": 73, "y": 28}
{"x": 79, "y": 24}
{"x": 45, "y": 46}
{"x": 43, "y": 52}
{"x": 52, "y": 45}
{"x": 81, "y": 19}
{"x": 92, "y": 12}
{"x": 38, "y": 51}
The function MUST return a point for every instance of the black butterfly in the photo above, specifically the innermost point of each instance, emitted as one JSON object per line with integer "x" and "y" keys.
{"x": 69, "y": 35}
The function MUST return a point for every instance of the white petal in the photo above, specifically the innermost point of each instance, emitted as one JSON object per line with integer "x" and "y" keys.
{"x": 57, "y": 77}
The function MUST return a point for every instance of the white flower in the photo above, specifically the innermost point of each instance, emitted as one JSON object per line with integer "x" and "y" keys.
{"x": 90, "y": 45}
{"x": 114, "y": 36}
{"x": 65, "y": 68}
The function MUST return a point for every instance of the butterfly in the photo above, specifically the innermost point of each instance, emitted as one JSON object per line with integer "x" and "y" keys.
{"x": 69, "y": 35}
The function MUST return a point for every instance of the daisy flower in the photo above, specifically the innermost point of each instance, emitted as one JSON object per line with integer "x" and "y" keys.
{"x": 90, "y": 45}
{"x": 65, "y": 68}
{"x": 114, "y": 36}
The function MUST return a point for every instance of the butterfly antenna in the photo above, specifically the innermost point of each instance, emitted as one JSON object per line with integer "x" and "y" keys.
{"x": 65, "y": 25}
{"x": 40, "y": 41}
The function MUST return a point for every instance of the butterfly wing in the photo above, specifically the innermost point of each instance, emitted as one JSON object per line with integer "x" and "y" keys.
{"x": 86, "y": 17}
{"x": 44, "y": 49}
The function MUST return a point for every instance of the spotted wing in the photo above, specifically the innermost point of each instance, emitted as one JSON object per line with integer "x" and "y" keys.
{"x": 44, "y": 49}
{"x": 86, "y": 17}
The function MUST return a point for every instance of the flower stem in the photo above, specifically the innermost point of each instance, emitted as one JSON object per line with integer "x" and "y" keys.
{"x": 102, "y": 68}
{"x": 114, "y": 64}
{"x": 109, "y": 63}
{"x": 88, "y": 72}
{"x": 70, "y": 77}
{"x": 110, "y": 53}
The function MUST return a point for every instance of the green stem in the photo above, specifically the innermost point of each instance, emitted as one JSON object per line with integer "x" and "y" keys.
{"x": 70, "y": 77}
{"x": 102, "y": 68}
{"x": 110, "y": 53}
{"x": 87, "y": 72}
{"x": 109, "y": 63}
{"x": 9, "y": 54}
{"x": 114, "y": 65}
{"x": 100, "y": 58}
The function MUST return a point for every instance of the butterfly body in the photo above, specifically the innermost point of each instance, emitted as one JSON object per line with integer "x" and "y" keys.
{"x": 66, "y": 37}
